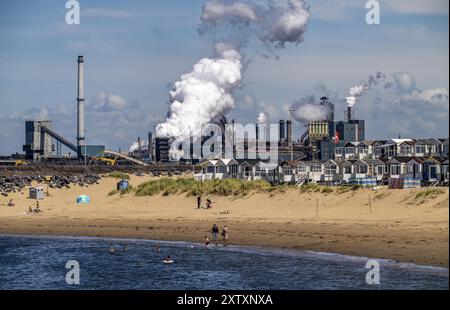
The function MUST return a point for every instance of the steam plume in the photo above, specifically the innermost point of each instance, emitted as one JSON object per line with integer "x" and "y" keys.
{"x": 356, "y": 91}
{"x": 205, "y": 93}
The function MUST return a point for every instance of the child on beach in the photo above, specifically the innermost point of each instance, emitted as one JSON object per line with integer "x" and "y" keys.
{"x": 206, "y": 241}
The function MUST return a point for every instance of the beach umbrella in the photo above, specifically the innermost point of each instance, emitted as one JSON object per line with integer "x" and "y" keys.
{"x": 83, "y": 199}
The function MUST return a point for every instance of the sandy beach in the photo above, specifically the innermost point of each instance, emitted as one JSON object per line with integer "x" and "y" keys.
{"x": 395, "y": 225}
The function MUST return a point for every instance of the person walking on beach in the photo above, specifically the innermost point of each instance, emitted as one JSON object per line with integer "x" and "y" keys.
{"x": 199, "y": 201}
{"x": 225, "y": 235}
{"x": 215, "y": 233}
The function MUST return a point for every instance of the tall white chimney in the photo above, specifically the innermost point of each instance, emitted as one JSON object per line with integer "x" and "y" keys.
{"x": 80, "y": 104}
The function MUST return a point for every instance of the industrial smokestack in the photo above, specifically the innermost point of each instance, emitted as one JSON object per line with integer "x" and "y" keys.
{"x": 80, "y": 104}
{"x": 282, "y": 131}
{"x": 150, "y": 144}
{"x": 289, "y": 132}
{"x": 349, "y": 113}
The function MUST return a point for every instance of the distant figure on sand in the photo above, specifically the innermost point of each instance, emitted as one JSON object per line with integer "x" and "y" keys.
{"x": 225, "y": 235}
{"x": 199, "y": 201}
{"x": 215, "y": 232}
{"x": 11, "y": 203}
{"x": 208, "y": 204}
{"x": 206, "y": 241}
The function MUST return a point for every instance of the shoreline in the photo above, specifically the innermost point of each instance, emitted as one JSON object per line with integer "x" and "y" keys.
{"x": 285, "y": 251}
{"x": 397, "y": 226}
{"x": 244, "y": 233}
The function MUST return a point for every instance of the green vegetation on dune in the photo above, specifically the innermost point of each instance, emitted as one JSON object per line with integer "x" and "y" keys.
{"x": 226, "y": 187}
{"x": 430, "y": 193}
{"x": 341, "y": 189}
{"x": 119, "y": 175}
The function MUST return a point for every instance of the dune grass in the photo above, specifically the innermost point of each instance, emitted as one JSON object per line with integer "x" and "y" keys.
{"x": 341, "y": 189}
{"x": 429, "y": 193}
{"x": 120, "y": 175}
{"x": 226, "y": 187}
{"x": 309, "y": 187}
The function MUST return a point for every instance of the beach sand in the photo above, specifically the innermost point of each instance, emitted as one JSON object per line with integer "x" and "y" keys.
{"x": 400, "y": 227}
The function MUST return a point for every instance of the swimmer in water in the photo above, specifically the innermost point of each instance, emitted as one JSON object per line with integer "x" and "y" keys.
{"x": 157, "y": 248}
{"x": 168, "y": 260}
{"x": 111, "y": 249}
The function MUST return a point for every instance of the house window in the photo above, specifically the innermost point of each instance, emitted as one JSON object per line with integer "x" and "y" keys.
{"x": 405, "y": 149}
{"x": 347, "y": 169}
{"x": 350, "y": 150}
{"x": 361, "y": 169}
{"x": 316, "y": 168}
{"x": 380, "y": 170}
{"x": 330, "y": 170}
{"x": 260, "y": 171}
{"x": 395, "y": 169}
{"x": 287, "y": 170}
{"x": 420, "y": 149}
{"x": 210, "y": 169}
{"x": 302, "y": 168}
{"x": 433, "y": 171}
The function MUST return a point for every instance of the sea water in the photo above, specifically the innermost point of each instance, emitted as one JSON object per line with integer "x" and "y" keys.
{"x": 37, "y": 262}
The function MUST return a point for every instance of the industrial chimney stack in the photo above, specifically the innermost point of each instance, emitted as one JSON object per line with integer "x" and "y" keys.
{"x": 349, "y": 113}
{"x": 80, "y": 105}
{"x": 289, "y": 132}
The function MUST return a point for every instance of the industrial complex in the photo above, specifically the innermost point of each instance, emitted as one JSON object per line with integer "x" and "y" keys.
{"x": 325, "y": 142}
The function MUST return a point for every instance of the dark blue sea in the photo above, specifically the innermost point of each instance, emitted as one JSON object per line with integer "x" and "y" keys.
{"x": 39, "y": 263}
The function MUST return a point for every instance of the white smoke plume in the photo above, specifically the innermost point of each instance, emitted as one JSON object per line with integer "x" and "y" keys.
{"x": 214, "y": 11}
{"x": 398, "y": 106}
{"x": 311, "y": 108}
{"x": 356, "y": 91}
{"x": 205, "y": 94}
{"x": 202, "y": 95}
{"x": 262, "y": 118}
{"x": 273, "y": 25}
{"x": 135, "y": 146}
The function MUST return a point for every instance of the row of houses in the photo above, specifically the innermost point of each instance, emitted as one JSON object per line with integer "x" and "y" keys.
{"x": 426, "y": 169}
{"x": 374, "y": 149}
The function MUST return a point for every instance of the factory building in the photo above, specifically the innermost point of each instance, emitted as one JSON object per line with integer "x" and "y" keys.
{"x": 162, "y": 146}
{"x": 38, "y": 143}
{"x": 325, "y": 135}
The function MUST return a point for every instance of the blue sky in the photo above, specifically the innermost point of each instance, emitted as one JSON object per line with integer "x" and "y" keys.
{"x": 136, "y": 49}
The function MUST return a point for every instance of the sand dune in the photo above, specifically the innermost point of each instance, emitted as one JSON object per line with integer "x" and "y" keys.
{"x": 394, "y": 225}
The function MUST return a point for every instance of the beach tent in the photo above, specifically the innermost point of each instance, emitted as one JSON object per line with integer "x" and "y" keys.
{"x": 122, "y": 185}
{"x": 83, "y": 199}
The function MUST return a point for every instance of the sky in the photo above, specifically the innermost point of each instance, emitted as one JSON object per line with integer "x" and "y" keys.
{"x": 136, "y": 50}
